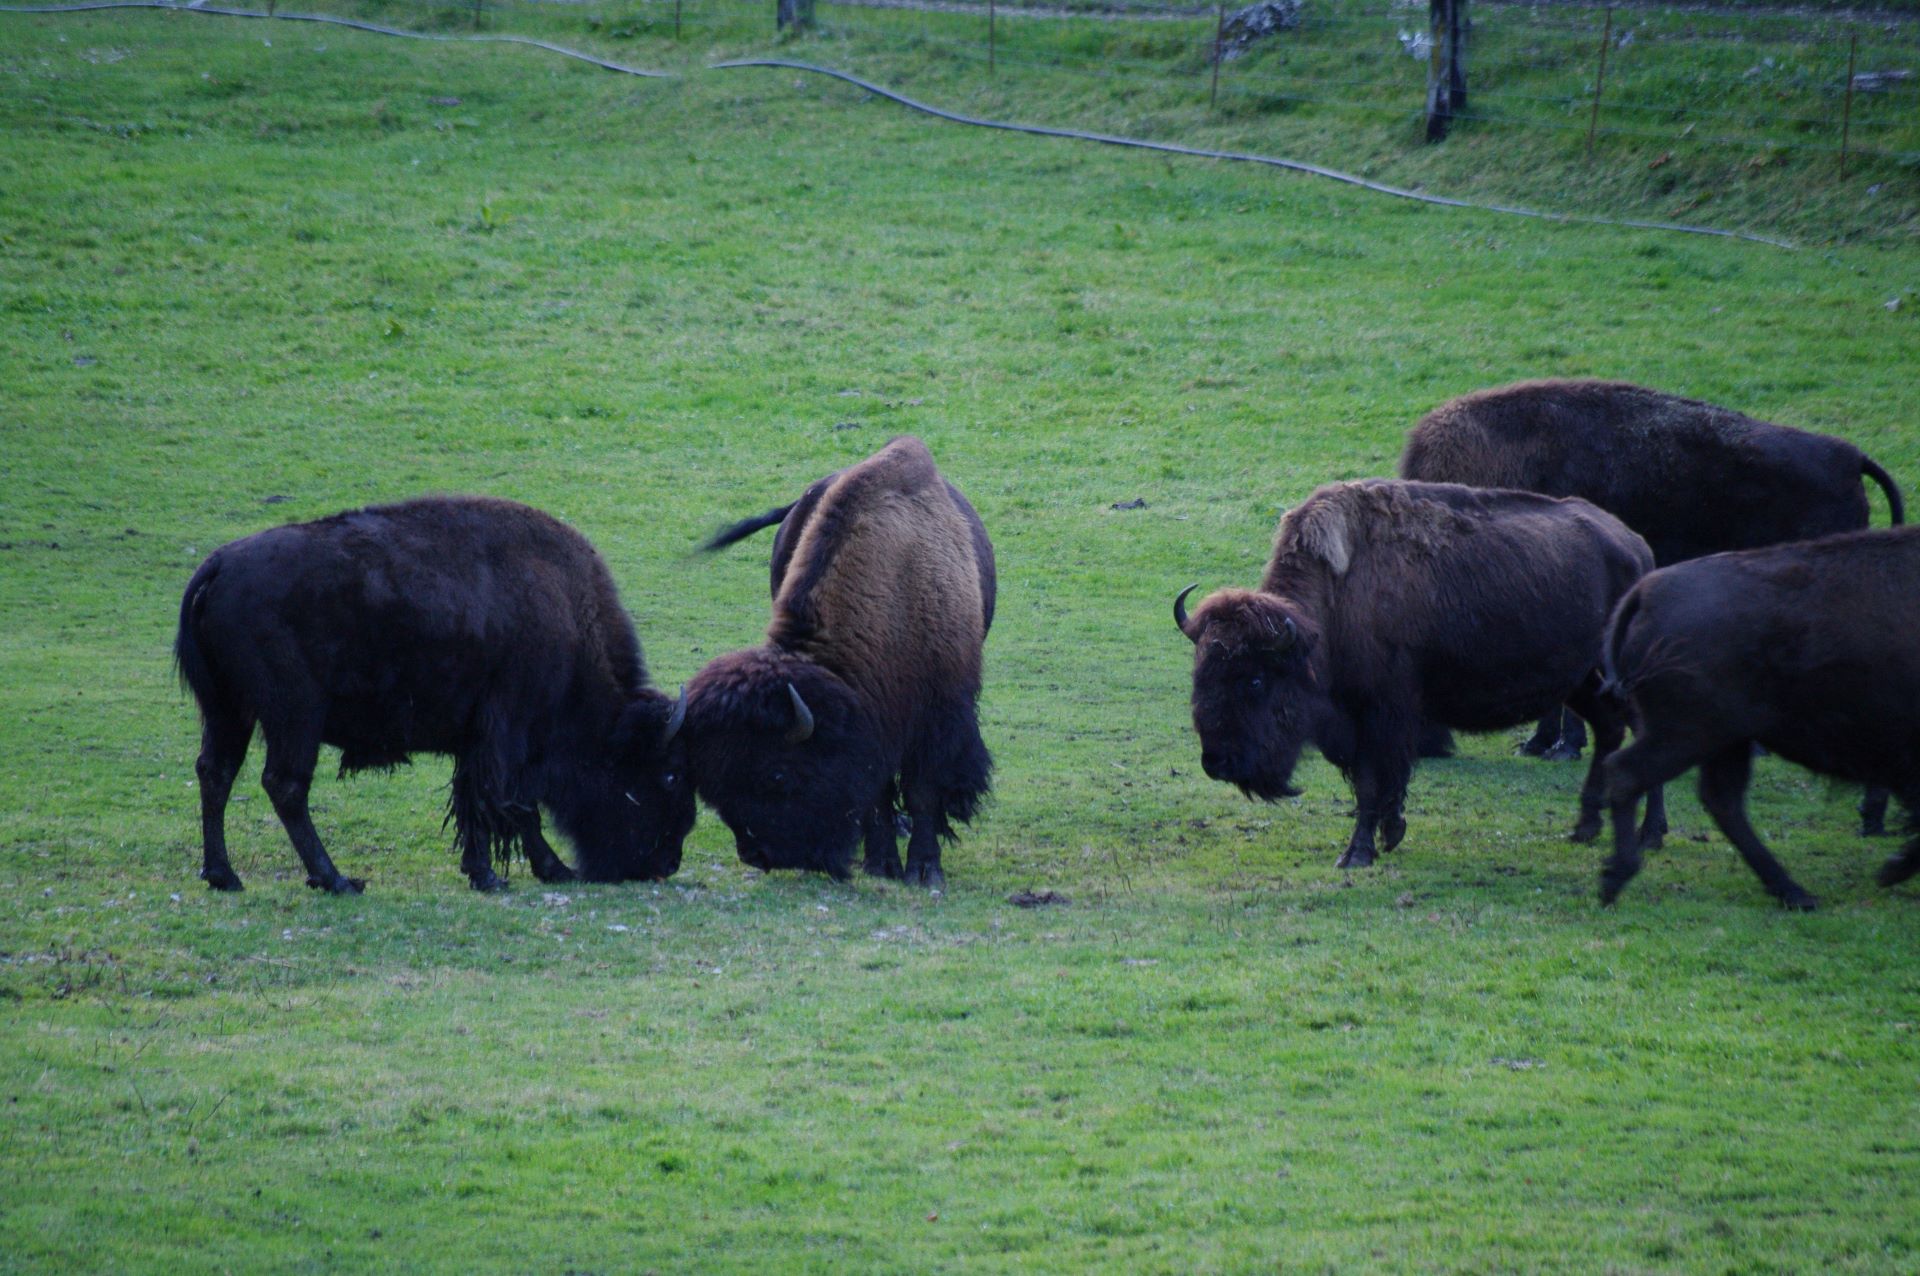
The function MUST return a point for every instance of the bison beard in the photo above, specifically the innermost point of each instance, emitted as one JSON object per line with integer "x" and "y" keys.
{"x": 1807, "y": 649}
{"x": 862, "y": 699}
{"x": 1389, "y": 604}
{"x": 1690, "y": 477}
{"x": 472, "y": 627}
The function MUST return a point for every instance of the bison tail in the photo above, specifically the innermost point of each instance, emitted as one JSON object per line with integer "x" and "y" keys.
{"x": 746, "y": 527}
{"x": 1629, "y": 606}
{"x": 189, "y": 659}
{"x": 1895, "y": 506}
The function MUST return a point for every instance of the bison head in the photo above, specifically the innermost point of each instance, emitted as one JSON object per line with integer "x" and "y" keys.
{"x": 1258, "y": 687}
{"x": 629, "y": 809}
{"x": 787, "y": 755}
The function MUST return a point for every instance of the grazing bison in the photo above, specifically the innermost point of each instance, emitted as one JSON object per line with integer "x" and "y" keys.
{"x": 1388, "y": 603}
{"x": 1690, "y": 477}
{"x": 460, "y": 625}
{"x": 863, "y": 694}
{"x": 1807, "y": 649}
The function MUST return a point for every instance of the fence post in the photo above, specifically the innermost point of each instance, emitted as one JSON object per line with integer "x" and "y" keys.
{"x": 1446, "y": 65}
{"x": 1219, "y": 42}
{"x": 1599, "y": 81}
{"x": 797, "y": 14}
{"x": 1846, "y": 114}
{"x": 476, "y": 14}
{"x": 990, "y": 36}
{"x": 676, "y": 21}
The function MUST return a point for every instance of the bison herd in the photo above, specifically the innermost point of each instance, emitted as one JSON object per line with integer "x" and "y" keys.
{"x": 1654, "y": 564}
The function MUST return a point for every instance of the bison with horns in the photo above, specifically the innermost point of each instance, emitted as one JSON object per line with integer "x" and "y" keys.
{"x": 863, "y": 696}
{"x": 1690, "y": 477}
{"x": 1807, "y": 649}
{"x": 461, "y": 625}
{"x": 1386, "y": 603}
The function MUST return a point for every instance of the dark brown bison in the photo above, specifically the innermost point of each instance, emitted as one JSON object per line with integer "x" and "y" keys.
{"x": 459, "y": 625}
{"x": 863, "y": 695}
{"x": 1807, "y": 649}
{"x": 1388, "y": 603}
{"x": 1690, "y": 477}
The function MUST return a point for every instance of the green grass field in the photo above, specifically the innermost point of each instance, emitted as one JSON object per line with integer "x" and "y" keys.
{"x": 255, "y": 272}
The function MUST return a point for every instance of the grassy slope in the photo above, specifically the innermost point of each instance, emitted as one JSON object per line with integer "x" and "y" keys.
{"x": 237, "y": 271}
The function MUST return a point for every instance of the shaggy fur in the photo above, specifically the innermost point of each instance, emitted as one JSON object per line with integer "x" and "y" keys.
{"x": 460, "y": 625}
{"x": 1690, "y": 477}
{"x": 1386, "y": 603}
{"x": 1807, "y": 649}
{"x": 883, "y": 591}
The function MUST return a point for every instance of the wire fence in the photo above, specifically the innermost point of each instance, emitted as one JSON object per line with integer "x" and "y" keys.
{"x": 1764, "y": 81}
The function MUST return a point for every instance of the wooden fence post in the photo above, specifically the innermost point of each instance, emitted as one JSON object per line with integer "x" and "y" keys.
{"x": 797, "y": 14}
{"x": 1846, "y": 113}
{"x": 676, "y": 21}
{"x": 1219, "y": 47}
{"x": 1599, "y": 81}
{"x": 991, "y": 35}
{"x": 476, "y": 14}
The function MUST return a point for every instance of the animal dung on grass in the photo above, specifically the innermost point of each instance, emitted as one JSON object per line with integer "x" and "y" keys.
{"x": 862, "y": 698}
{"x": 467, "y": 626}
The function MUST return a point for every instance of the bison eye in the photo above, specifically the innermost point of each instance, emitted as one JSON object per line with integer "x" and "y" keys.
{"x": 666, "y": 780}
{"x": 1256, "y": 682}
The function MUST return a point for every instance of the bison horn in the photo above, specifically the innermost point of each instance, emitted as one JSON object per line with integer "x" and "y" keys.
{"x": 802, "y": 718}
{"x": 675, "y": 719}
{"x": 1180, "y": 611}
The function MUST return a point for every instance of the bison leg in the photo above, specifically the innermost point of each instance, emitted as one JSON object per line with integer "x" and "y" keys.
{"x": 1642, "y": 766}
{"x": 1609, "y": 721}
{"x": 546, "y": 866}
{"x": 1653, "y": 829}
{"x": 1873, "y": 811}
{"x": 287, "y": 777}
{"x": 1379, "y": 793}
{"x": 882, "y": 837}
{"x": 1723, "y": 791}
{"x": 223, "y": 747}
{"x": 927, "y": 810}
{"x": 1545, "y": 735}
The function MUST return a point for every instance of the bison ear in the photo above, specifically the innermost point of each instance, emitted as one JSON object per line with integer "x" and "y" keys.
{"x": 649, "y": 723}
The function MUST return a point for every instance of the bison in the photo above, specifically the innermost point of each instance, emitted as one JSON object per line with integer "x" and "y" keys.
{"x": 1387, "y": 603}
{"x": 461, "y": 625}
{"x": 1807, "y": 649}
{"x": 1690, "y": 477}
{"x": 863, "y": 696}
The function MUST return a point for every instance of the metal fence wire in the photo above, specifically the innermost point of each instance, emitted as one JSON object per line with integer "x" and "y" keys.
{"x": 1763, "y": 79}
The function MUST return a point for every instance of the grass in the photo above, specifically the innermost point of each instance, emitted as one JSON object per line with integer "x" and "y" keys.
{"x": 255, "y": 273}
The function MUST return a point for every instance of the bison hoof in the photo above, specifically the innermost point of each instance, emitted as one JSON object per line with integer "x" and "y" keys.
{"x": 1798, "y": 900}
{"x": 1612, "y": 882}
{"x": 927, "y": 874}
{"x": 1393, "y": 831}
{"x": 1873, "y": 828}
{"x": 889, "y": 869}
{"x": 223, "y": 880}
{"x": 1560, "y": 751}
{"x": 339, "y": 885}
{"x": 1355, "y": 857}
{"x": 492, "y": 883}
{"x": 1897, "y": 869}
{"x": 1586, "y": 830}
{"x": 554, "y": 873}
